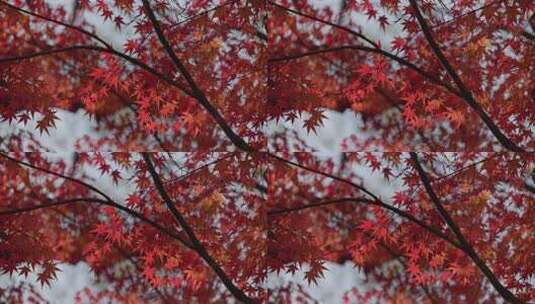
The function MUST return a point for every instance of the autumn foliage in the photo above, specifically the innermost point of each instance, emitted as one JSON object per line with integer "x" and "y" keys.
{"x": 196, "y": 184}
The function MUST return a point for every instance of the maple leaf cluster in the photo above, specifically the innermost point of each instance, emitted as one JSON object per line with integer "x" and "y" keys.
{"x": 197, "y": 184}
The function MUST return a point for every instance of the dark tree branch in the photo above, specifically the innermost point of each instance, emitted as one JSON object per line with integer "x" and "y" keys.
{"x": 528, "y": 35}
{"x": 115, "y": 205}
{"x": 317, "y": 204}
{"x": 483, "y": 7}
{"x": 465, "y": 92}
{"x": 391, "y": 56}
{"x": 529, "y": 187}
{"x": 467, "y": 248}
{"x": 334, "y": 177}
{"x": 203, "y": 13}
{"x": 376, "y": 201}
{"x": 338, "y": 26}
{"x": 106, "y": 201}
{"x": 130, "y": 59}
{"x": 374, "y": 49}
{"x": 197, "y": 245}
{"x": 460, "y": 170}
{"x": 66, "y": 25}
{"x": 197, "y": 92}
{"x": 72, "y": 179}
{"x": 57, "y": 203}
{"x": 107, "y": 49}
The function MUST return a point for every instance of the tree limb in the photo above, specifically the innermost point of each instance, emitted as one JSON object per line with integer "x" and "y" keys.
{"x": 66, "y": 25}
{"x": 320, "y": 203}
{"x": 465, "y": 92}
{"x": 376, "y": 201}
{"x": 467, "y": 248}
{"x": 115, "y": 205}
{"x": 391, "y": 56}
{"x": 130, "y": 59}
{"x": 197, "y": 245}
{"x": 338, "y": 26}
{"x": 197, "y": 92}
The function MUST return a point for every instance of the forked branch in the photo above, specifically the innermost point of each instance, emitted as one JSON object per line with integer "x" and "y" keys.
{"x": 197, "y": 245}
{"x": 465, "y": 92}
{"x": 198, "y": 94}
{"x": 467, "y": 248}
